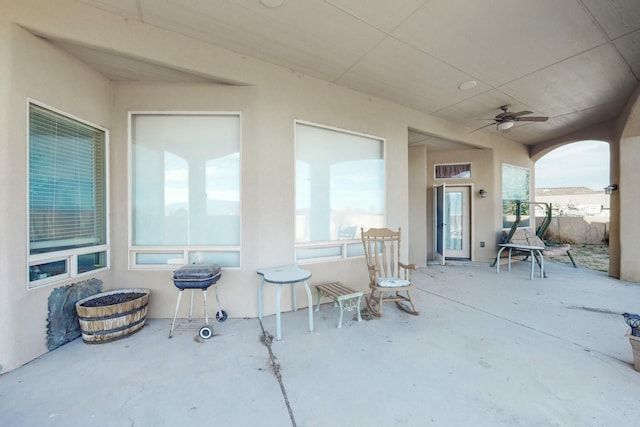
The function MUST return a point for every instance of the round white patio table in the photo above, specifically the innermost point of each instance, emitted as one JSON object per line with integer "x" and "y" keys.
{"x": 285, "y": 275}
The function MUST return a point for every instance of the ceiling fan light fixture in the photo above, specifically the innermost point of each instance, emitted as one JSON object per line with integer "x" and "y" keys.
{"x": 502, "y": 126}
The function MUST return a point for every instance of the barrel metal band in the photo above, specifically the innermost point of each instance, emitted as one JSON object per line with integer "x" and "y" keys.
{"x": 111, "y": 331}
{"x": 113, "y": 316}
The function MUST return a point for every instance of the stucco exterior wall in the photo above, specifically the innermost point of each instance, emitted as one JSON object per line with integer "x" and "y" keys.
{"x": 7, "y": 335}
{"x": 418, "y": 244}
{"x": 486, "y": 214}
{"x": 627, "y": 197}
{"x": 481, "y": 177}
{"x": 66, "y": 84}
{"x": 270, "y": 99}
{"x": 269, "y": 105}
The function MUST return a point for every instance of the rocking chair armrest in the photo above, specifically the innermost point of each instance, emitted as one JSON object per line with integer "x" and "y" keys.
{"x": 407, "y": 266}
{"x": 408, "y": 270}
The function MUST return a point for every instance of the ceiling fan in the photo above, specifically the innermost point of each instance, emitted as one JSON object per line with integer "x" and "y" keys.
{"x": 505, "y": 120}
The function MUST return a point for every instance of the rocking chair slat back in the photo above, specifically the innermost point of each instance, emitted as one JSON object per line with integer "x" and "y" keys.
{"x": 382, "y": 251}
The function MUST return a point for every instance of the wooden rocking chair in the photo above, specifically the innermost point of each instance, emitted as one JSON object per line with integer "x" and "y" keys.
{"x": 388, "y": 277}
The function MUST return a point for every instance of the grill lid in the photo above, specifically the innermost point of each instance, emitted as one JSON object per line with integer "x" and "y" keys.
{"x": 196, "y": 272}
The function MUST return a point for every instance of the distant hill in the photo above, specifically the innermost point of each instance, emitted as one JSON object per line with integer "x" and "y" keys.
{"x": 565, "y": 191}
{"x": 575, "y": 201}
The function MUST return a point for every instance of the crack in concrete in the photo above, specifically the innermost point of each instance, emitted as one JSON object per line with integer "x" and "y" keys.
{"x": 267, "y": 339}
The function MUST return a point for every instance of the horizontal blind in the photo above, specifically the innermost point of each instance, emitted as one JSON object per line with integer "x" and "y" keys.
{"x": 67, "y": 188}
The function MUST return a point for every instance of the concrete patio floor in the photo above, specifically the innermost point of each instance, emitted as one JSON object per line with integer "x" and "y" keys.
{"x": 486, "y": 350}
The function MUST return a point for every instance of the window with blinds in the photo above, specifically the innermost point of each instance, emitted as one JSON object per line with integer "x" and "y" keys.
{"x": 67, "y": 194}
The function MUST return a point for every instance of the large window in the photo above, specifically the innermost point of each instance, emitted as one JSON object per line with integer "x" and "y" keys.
{"x": 515, "y": 187}
{"x": 185, "y": 194}
{"x": 67, "y": 197}
{"x": 339, "y": 189}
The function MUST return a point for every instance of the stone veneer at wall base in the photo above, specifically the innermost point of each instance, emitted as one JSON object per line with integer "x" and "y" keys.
{"x": 80, "y": 90}
{"x": 62, "y": 322}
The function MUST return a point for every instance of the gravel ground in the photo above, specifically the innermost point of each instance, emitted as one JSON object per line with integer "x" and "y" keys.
{"x": 595, "y": 257}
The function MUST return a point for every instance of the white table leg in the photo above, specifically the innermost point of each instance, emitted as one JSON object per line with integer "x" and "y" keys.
{"x": 295, "y": 296}
{"x": 278, "y": 328}
{"x": 306, "y": 287}
{"x": 260, "y": 298}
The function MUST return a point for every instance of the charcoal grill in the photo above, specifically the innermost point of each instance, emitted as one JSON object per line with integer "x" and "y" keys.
{"x": 198, "y": 276}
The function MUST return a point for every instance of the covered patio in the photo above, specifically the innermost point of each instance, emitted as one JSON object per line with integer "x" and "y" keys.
{"x": 487, "y": 349}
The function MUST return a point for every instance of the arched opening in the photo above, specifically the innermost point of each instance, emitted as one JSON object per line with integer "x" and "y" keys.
{"x": 572, "y": 179}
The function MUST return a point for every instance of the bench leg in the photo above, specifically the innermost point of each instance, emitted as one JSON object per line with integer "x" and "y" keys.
{"x": 341, "y": 313}
{"x": 541, "y": 264}
{"x": 497, "y": 261}
{"x": 533, "y": 262}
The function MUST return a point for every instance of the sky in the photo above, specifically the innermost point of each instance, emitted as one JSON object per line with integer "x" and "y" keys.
{"x": 581, "y": 164}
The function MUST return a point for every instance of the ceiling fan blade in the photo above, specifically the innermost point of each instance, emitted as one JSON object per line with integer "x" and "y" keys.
{"x": 531, "y": 119}
{"x": 482, "y": 127}
{"x": 521, "y": 113}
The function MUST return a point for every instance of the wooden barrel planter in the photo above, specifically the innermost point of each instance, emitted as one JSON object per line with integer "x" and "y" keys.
{"x": 108, "y": 316}
{"x": 635, "y": 348}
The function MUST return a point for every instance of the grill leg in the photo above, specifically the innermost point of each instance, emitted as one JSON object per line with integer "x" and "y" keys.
{"x": 206, "y": 315}
{"x": 173, "y": 324}
{"x": 191, "y": 306}
{"x": 215, "y": 288}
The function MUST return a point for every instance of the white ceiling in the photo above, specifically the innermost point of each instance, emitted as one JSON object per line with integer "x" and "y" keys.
{"x": 576, "y": 61}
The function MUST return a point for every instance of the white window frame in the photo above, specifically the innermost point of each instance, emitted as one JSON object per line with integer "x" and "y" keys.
{"x": 69, "y": 256}
{"x": 341, "y": 246}
{"x": 184, "y": 254}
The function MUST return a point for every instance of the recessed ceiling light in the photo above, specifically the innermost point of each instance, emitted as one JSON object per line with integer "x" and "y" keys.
{"x": 468, "y": 85}
{"x": 272, "y": 3}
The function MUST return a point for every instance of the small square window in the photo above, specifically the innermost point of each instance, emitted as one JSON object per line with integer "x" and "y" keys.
{"x": 453, "y": 171}
{"x": 48, "y": 269}
{"x": 92, "y": 261}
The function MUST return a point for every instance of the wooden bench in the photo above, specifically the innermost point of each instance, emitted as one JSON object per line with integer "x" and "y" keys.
{"x": 347, "y": 299}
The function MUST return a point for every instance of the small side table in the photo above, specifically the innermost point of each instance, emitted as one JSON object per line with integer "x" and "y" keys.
{"x": 344, "y": 297}
{"x": 285, "y": 275}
